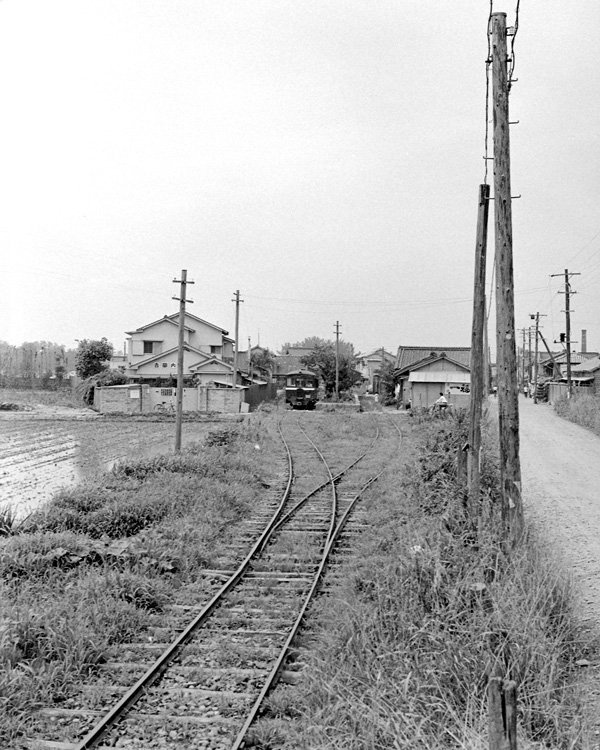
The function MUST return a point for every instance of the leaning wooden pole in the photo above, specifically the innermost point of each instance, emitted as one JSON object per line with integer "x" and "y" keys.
{"x": 478, "y": 358}
{"x": 508, "y": 404}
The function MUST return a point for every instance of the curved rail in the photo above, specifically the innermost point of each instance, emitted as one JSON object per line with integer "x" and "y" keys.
{"x": 163, "y": 661}
{"x": 158, "y": 668}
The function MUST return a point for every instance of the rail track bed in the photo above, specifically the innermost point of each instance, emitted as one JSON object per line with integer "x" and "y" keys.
{"x": 200, "y": 677}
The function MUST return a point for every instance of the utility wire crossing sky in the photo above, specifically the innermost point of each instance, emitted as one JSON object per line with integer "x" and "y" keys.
{"x": 323, "y": 157}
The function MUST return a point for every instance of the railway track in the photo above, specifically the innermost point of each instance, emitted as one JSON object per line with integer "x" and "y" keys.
{"x": 200, "y": 680}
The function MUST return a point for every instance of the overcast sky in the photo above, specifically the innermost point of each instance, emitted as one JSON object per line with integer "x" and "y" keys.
{"x": 321, "y": 156}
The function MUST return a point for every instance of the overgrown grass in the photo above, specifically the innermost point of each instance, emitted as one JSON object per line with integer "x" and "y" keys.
{"x": 401, "y": 649}
{"x": 433, "y": 606}
{"x": 89, "y": 570}
{"x": 583, "y": 410}
{"x": 60, "y": 397}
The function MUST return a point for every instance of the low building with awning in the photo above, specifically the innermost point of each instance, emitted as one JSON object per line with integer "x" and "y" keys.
{"x": 421, "y": 382}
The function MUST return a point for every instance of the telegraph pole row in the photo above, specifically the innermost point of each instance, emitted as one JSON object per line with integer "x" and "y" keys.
{"x": 182, "y": 300}
{"x": 567, "y": 292}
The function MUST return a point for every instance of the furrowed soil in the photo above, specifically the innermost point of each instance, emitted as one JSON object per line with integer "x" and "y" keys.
{"x": 50, "y": 447}
{"x": 560, "y": 470}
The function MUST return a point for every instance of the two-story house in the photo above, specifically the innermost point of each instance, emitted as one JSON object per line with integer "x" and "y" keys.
{"x": 152, "y": 352}
{"x": 370, "y": 366}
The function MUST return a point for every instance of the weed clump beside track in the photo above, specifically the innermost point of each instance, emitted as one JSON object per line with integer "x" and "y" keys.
{"x": 403, "y": 646}
{"x": 88, "y": 570}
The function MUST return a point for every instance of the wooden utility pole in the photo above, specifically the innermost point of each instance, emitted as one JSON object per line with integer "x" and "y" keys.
{"x": 529, "y": 356}
{"x": 508, "y": 401}
{"x": 380, "y": 389}
{"x": 555, "y": 365}
{"x": 179, "y": 411}
{"x": 237, "y": 301}
{"x": 337, "y": 360}
{"x": 536, "y": 355}
{"x": 568, "y": 292}
{"x": 478, "y": 358}
{"x": 523, "y": 360}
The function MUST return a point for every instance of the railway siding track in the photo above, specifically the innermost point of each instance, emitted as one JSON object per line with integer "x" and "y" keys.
{"x": 200, "y": 683}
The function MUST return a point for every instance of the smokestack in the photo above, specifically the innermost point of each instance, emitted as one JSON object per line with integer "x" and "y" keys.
{"x": 584, "y": 342}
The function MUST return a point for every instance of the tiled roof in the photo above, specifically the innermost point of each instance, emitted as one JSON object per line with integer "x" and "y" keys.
{"x": 576, "y": 357}
{"x": 408, "y": 355}
{"x": 588, "y": 365}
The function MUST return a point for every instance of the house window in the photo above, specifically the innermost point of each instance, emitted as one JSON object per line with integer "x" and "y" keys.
{"x": 164, "y": 364}
{"x": 148, "y": 347}
{"x": 156, "y": 364}
{"x": 215, "y": 349}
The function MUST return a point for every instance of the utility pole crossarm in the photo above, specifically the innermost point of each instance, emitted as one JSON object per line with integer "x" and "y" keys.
{"x": 567, "y": 292}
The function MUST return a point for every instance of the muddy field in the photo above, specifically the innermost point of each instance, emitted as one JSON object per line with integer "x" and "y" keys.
{"x": 45, "y": 449}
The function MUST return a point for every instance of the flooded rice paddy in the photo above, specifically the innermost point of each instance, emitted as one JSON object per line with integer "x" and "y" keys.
{"x": 40, "y": 456}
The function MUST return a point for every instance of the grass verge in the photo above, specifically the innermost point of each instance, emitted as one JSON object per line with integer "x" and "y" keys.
{"x": 433, "y": 605}
{"x": 90, "y": 569}
{"x": 583, "y": 410}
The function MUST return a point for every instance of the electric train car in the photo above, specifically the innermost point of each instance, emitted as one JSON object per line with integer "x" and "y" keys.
{"x": 301, "y": 389}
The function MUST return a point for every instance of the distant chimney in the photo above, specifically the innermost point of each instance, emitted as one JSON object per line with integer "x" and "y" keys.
{"x": 584, "y": 342}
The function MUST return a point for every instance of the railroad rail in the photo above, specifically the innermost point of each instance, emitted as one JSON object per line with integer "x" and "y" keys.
{"x": 206, "y": 687}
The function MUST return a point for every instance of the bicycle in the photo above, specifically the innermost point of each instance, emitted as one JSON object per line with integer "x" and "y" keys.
{"x": 164, "y": 408}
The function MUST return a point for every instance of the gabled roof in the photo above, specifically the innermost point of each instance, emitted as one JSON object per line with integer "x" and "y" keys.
{"x": 175, "y": 316}
{"x": 426, "y": 361}
{"x": 186, "y": 348}
{"x": 174, "y": 319}
{"x": 376, "y": 354}
{"x": 409, "y": 355}
{"x": 576, "y": 357}
{"x": 165, "y": 319}
{"x": 588, "y": 365}
{"x": 210, "y": 361}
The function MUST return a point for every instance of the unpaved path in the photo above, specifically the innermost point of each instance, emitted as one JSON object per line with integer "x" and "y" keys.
{"x": 560, "y": 468}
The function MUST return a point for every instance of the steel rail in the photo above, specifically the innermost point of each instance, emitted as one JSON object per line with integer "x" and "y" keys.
{"x": 283, "y": 654}
{"x": 156, "y": 670}
{"x": 163, "y": 661}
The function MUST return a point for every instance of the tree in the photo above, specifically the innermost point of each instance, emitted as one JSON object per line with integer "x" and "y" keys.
{"x": 262, "y": 358}
{"x": 322, "y": 361}
{"x": 91, "y": 357}
{"x": 387, "y": 384}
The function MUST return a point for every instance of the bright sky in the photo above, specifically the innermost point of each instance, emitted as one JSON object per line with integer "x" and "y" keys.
{"x": 321, "y": 156}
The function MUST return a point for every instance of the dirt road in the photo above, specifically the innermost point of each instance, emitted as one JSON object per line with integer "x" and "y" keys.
{"x": 560, "y": 467}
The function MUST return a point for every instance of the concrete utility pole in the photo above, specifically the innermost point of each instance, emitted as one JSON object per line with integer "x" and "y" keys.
{"x": 478, "y": 358}
{"x": 508, "y": 401}
{"x": 237, "y": 301}
{"x": 568, "y": 292}
{"x": 380, "y": 389}
{"x": 337, "y": 360}
{"x": 182, "y": 300}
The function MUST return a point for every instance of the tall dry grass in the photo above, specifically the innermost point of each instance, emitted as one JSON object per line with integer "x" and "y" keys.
{"x": 583, "y": 410}
{"x": 432, "y": 606}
